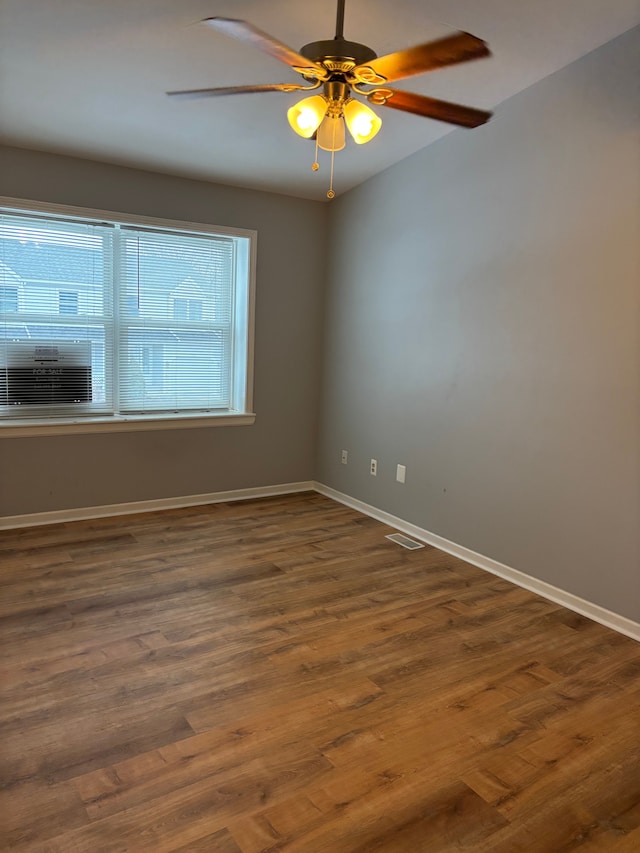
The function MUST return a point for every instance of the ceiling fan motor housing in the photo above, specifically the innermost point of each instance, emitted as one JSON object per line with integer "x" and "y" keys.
{"x": 337, "y": 54}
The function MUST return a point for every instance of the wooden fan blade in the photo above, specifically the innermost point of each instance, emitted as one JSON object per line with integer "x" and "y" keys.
{"x": 459, "y": 47}
{"x": 432, "y": 108}
{"x": 249, "y": 34}
{"x": 238, "y": 90}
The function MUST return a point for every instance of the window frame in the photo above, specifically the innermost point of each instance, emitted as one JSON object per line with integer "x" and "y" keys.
{"x": 244, "y": 320}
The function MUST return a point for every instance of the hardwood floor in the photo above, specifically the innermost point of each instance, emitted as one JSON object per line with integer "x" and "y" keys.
{"x": 274, "y": 675}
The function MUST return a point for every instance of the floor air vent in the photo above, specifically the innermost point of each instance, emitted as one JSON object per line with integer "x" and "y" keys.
{"x": 399, "y": 539}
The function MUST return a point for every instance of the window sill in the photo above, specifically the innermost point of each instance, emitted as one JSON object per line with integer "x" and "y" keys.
{"x": 130, "y": 423}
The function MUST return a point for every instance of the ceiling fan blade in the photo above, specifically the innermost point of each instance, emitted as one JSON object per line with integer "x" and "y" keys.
{"x": 459, "y": 47}
{"x": 249, "y": 34}
{"x": 432, "y": 108}
{"x": 238, "y": 90}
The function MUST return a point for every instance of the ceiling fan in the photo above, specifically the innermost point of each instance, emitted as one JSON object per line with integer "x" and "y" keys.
{"x": 344, "y": 69}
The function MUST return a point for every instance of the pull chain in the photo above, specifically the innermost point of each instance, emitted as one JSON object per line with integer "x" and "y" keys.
{"x": 315, "y": 165}
{"x": 330, "y": 192}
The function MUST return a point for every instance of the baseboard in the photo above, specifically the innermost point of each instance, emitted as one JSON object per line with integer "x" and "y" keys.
{"x": 559, "y": 596}
{"x": 84, "y": 513}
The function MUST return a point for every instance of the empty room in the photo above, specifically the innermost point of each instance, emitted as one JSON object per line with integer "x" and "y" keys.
{"x": 319, "y": 426}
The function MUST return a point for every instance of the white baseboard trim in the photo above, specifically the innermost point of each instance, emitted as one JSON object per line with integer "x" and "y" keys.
{"x": 559, "y": 596}
{"x": 84, "y": 513}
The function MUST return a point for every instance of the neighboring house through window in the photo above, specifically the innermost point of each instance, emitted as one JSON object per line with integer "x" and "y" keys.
{"x": 68, "y": 302}
{"x": 187, "y": 309}
{"x": 190, "y": 302}
{"x": 8, "y": 299}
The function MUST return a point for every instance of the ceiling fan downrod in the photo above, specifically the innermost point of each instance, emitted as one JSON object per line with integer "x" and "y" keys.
{"x": 340, "y": 20}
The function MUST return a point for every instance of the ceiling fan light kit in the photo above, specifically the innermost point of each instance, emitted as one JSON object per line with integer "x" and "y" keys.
{"x": 306, "y": 116}
{"x": 323, "y": 116}
{"x": 362, "y": 122}
{"x": 344, "y": 69}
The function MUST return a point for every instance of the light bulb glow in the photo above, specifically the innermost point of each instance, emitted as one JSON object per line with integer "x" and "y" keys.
{"x": 305, "y": 116}
{"x": 306, "y": 119}
{"x": 361, "y": 125}
{"x": 362, "y": 122}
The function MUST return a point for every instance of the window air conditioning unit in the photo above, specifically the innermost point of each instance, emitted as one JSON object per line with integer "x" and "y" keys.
{"x": 45, "y": 373}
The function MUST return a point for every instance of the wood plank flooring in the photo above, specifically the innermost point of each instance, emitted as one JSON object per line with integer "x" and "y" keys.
{"x": 275, "y": 675}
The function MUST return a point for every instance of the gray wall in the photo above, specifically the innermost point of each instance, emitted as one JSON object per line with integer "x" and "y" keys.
{"x": 483, "y": 328}
{"x": 39, "y": 474}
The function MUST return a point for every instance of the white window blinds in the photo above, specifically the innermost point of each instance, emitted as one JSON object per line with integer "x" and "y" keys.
{"x": 107, "y": 318}
{"x": 53, "y": 362}
{"x": 176, "y": 330}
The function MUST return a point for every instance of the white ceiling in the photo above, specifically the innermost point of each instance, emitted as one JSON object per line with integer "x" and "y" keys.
{"x": 88, "y": 77}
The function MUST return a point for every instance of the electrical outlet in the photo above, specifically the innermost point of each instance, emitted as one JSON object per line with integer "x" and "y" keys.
{"x": 345, "y": 457}
{"x": 374, "y": 467}
{"x": 401, "y": 473}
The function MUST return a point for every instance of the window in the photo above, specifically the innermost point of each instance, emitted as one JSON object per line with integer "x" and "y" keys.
{"x": 184, "y": 309}
{"x": 122, "y": 321}
{"x": 8, "y": 299}
{"x": 68, "y": 302}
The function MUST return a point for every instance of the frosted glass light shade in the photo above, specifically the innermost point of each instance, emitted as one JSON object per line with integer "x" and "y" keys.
{"x": 331, "y": 134}
{"x": 362, "y": 122}
{"x": 305, "y": 116}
